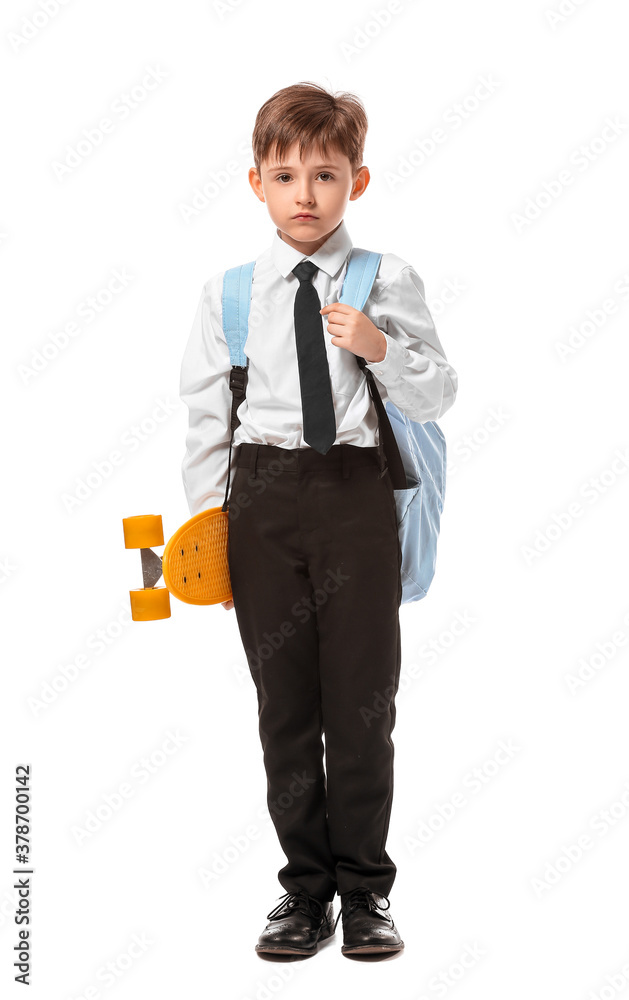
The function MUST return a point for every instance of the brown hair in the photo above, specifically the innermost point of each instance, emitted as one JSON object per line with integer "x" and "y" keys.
{"x": 309, "y": 114}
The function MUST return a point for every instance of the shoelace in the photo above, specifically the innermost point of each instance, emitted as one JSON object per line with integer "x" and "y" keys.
{"x": 302, "y": 901}
{"x": 360, "y": 896}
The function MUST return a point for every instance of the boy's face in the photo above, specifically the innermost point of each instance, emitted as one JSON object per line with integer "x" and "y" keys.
{"x": 319, "y": 186}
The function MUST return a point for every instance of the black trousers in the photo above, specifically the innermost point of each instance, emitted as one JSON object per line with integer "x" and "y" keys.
{"x": 314, "y": 559}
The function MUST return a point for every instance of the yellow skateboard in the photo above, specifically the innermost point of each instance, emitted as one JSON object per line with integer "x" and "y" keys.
{"x": 193, "y": 563}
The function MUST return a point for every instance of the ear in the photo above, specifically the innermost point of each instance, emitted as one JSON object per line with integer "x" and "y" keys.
{"x": 256, "y": 183}
{"x": 360, "y": 183}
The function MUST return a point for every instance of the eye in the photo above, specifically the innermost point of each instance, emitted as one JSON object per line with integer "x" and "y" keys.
{"x": 324, "y": 173}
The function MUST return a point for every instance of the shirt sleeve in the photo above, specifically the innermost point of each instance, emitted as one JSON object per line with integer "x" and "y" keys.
{"x": 204, "y": 388}
{"x": 415, "y": 373}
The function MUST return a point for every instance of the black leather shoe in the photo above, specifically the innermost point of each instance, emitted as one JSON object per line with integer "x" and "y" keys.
{"x": 366, "y": 928}
{"x": 297, "y": 925}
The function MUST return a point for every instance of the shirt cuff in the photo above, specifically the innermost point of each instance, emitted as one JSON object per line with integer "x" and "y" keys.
{"x": 388, "y": 370}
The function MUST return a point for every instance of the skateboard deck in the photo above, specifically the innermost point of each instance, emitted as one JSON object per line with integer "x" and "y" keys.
{"x": 194, "y": 562}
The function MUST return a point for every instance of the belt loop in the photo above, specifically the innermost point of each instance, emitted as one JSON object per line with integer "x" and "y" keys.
{"x": 254, "y": 461}
{"x": 344, "y": 461}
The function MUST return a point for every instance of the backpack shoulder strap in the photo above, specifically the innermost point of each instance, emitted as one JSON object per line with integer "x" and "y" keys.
{"x": 236, "y": 301}
{"x": 360, "y": 275}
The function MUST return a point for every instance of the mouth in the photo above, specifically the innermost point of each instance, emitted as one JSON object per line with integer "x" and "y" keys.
{"x": 304, "y": 215}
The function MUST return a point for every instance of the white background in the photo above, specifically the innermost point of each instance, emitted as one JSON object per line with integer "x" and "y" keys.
{"x": 542, "y": 591}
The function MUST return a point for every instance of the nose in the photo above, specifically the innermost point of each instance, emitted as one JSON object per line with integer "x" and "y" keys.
{"x": 304, "y": 194}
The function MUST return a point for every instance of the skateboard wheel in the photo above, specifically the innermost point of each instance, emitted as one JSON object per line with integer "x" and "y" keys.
{"x": 150, "y": 604}
{"x": 143, "y": 532}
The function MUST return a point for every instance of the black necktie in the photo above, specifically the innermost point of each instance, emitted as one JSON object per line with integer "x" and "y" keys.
{"x": 312, "y": 360}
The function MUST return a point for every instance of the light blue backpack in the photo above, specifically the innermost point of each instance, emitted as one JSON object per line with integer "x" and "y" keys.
{"x": 415, "y": 452}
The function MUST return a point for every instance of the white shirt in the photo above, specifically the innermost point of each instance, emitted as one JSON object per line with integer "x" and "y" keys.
{"x": 414, "y": 374}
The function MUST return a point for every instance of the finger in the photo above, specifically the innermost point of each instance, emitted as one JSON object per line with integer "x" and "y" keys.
{"x": 337, "y": 319}
{"x": 335, "y": 330}
{"x": 341, "y": 307}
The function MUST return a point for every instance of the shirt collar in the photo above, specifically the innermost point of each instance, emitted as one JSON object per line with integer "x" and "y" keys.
{"x": 330, "y": 256}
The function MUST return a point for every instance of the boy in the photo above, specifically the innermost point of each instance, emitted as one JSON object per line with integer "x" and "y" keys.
{"x": 313, "y": 550}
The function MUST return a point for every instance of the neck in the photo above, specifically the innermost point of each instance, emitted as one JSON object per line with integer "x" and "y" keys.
{"x": 306, "y": 248}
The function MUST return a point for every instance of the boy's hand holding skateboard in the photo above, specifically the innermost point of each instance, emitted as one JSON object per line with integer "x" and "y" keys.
{"x": 354, "y": 331}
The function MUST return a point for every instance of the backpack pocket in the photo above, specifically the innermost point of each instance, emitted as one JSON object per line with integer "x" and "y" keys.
{"x": 413, "y": 571}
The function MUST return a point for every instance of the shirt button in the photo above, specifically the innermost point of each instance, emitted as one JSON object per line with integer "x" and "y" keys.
{"x": 378, "y": 371}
